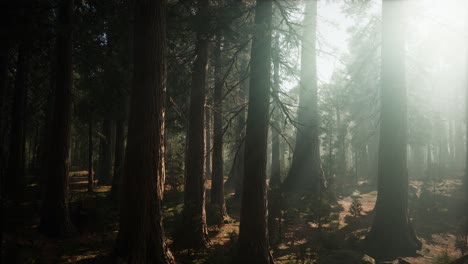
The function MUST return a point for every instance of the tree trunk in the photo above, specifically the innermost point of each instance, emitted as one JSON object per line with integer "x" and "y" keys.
{"x": 193, "y": 232}
{"x": 4, "y": 50}
{"x": 119, "y": 153}
{"x": 90, "y": 153}
{"x": 253, "y": 233}
{"x": 141, "y": 236}
{"x": 217, "y": 180}
{"x": 306, "y": 169}
{"x": 392, "y": 233}
{"x": 105, "y": 160}
{"x": 341, "y": 151}
{"x": 55, "y": 219}
{"x": 209, "y": 156}
{"x": 235, "y": 177}
{"x": 17, "y": 155}
{"x": 275, "y": 179}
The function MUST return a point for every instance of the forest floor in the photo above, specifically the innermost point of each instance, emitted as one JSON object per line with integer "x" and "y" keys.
{"x": 297, "y": 236}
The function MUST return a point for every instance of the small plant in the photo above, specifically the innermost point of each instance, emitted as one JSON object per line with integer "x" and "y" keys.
{"x": 356, "y": 207}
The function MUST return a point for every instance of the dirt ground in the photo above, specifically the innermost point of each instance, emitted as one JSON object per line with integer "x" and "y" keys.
{"x": 300, "y": 241}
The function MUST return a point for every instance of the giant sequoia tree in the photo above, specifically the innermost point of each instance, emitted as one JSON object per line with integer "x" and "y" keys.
{"x": 217, "y": 186}
{"x": 55, "y": 219}
{"x": 391, "y": 233}
{"x": 253, "y": 233}
{"x": 193, "y": 231}
{"x": 306, "y": 170}
{"x": 141, "y": 235}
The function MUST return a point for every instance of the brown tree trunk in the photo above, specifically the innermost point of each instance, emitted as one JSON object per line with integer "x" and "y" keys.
{"x": 119, "y": 153}
{"x": 4, "y": 50}
{"x": 193, "y": 232}
{"x": 141, "y": 236}
{"x": 90, "y": 153}
{"x": 55, "y": 219}
{"x": 235, "y": 178}
{"x": 208, "y": 154}
{"x": 17, "y": 155}
{"x": 105, "y": 160}
{"x": 253, "y": 234}
{"x": 275, "y": 179}
{"x": 306, "y": 169}
{"x": 392, "y": 233}
{"x": 217, "y": 180}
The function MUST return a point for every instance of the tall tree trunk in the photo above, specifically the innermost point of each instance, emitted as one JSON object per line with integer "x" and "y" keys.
{"x": 17, "y": 153}
{"x": 306, "y": 169}
{"x": 341, "y": 151}
{"x": 235, "y": 177}
{"x": 141, "y": 236}
{"x": 4, "y": 50}
{"x": 105, "y": 160}
{"x": 55, "y": 219}
{"x": 194, "y": 232}
{"x": 90, "y": 153}
{"x": 209, "y": 156}
{"x": 119, "y": 152}
{"x": 392, "y": 233}
{"x": 217, "y": 183}
{"x": 253, "y": 233}
{"x": 275, "y": 179}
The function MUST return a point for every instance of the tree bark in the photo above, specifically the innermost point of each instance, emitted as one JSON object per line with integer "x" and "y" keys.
{"x": 217, "y": 179}
{"x": 275, "y": 179}
{"x": 209, "y": 156}
{"x": 392, "y": 233}
{"x": 141, "y": 236}
{"x": 4, "y": 50}
{"x": 105, "y": 160}
{"x": 17, "y": 155}
{"x": 306, "y": 169}
{"x": 235, "y": 177}
{"x": 119, "y": 152}
{"x": 194, "y": 233}
{"x": 90, "y": 153}
{"x": 253, "y": 234}
{"x": 55, "y": 219}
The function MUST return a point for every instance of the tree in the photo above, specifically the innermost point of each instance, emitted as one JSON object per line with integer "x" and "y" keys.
{"x": 306, "y": 169}
{"x": 55, "y": 219}
{"x": 90, "y": 153}
{"x": 275, "y": 179}
{"x": 141, "y": 236}
{"x": 105, "y": 157}
{"x": 17, "y": 157}
{"x": 392, "y": 233}
{"x": 253, "y": 233}
{"x": 193, "y": 231}
{"x": 217, "y": 178}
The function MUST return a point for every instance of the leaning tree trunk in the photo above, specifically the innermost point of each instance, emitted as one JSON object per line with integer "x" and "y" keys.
{"x": 217, "y": 179}
{"x": 193, "y": 232}
{"x": 141, "y": 236}
{"x": 306, "y": 169}
{"x": 253, "y": 233}
{"x": 55, "y": 219}
{"x": 17, "y": 155}
{"x": 392, "y": 233}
